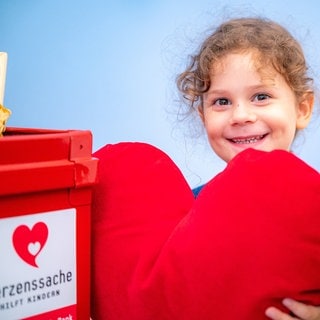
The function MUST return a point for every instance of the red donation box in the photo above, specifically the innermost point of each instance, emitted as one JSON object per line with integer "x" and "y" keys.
{"x": 46, "y": 179}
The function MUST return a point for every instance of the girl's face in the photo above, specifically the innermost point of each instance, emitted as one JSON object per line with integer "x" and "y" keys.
{"x": 243, "y": 110}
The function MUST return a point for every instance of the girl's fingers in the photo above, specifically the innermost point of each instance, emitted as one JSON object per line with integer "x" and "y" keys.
{"x": 301, "y": 310}
{"x": 275, "y": 314}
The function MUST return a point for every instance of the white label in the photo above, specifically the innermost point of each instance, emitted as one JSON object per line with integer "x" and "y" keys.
{"x": 38, "y": 265}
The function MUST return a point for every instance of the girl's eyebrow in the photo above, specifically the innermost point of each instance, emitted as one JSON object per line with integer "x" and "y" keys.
{"x": 218, "y": 91}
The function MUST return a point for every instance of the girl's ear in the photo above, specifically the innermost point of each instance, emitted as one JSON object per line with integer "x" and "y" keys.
{"x": 200, "y": 112}
{"x": 304, "y": 111}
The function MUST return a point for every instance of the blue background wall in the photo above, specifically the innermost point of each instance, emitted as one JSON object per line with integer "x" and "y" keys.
{"x": 109, "y": 66}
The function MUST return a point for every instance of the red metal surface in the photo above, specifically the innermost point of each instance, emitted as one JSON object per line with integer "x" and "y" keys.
{"x": 43, "y": 170}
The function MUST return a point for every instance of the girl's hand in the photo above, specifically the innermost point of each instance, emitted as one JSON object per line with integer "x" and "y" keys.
{"x": 302, "y": 311}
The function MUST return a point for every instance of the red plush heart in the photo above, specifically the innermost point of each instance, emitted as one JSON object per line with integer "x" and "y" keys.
{"x": 140, "y": 197}
{"x": 29, "y": 242}
{"x": 250, "y": 239}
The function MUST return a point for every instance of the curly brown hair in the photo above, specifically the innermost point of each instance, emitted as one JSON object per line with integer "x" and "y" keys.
{"x": 272, "y": 44}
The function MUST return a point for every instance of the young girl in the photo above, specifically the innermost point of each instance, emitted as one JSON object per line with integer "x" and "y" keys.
{"x": 250, "y": 86}
{"x": 159, "y": 254}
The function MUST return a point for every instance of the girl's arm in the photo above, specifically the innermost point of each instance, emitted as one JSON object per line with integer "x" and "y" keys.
{"x": 303, "y": 311}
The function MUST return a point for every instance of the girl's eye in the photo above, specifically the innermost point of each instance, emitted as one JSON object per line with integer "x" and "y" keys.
{"x": 222, "y": 102}
{"x": 261, "y": 97}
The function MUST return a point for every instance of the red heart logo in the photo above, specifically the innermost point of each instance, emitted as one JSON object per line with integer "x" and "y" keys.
{"x": 29, "y": 242}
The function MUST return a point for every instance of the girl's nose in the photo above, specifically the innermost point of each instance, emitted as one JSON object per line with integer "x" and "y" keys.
{"x": 242, "y": 114}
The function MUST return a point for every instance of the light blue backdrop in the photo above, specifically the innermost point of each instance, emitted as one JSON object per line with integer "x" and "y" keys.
{"x": 109, "y": 66}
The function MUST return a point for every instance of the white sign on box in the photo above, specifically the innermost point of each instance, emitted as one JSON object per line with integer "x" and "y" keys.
{"x": 38, "y": 266}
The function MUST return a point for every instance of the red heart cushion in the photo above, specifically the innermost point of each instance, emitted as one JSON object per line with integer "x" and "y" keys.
{"x": 250, "y": 239}
{"x": 140, "y": 197}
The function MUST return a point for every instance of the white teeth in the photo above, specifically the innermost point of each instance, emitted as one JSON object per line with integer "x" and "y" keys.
{"x": 248, "y": 140}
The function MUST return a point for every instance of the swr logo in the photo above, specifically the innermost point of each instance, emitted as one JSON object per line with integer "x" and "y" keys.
{"x": 29, "y": 242}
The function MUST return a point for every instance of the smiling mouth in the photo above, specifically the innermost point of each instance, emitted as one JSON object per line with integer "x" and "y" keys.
{"x": 247, "y": 140}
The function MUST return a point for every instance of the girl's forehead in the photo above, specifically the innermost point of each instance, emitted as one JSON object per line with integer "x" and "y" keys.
{"x": 250, "y": 57}
{"x": 254, "y": 61}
